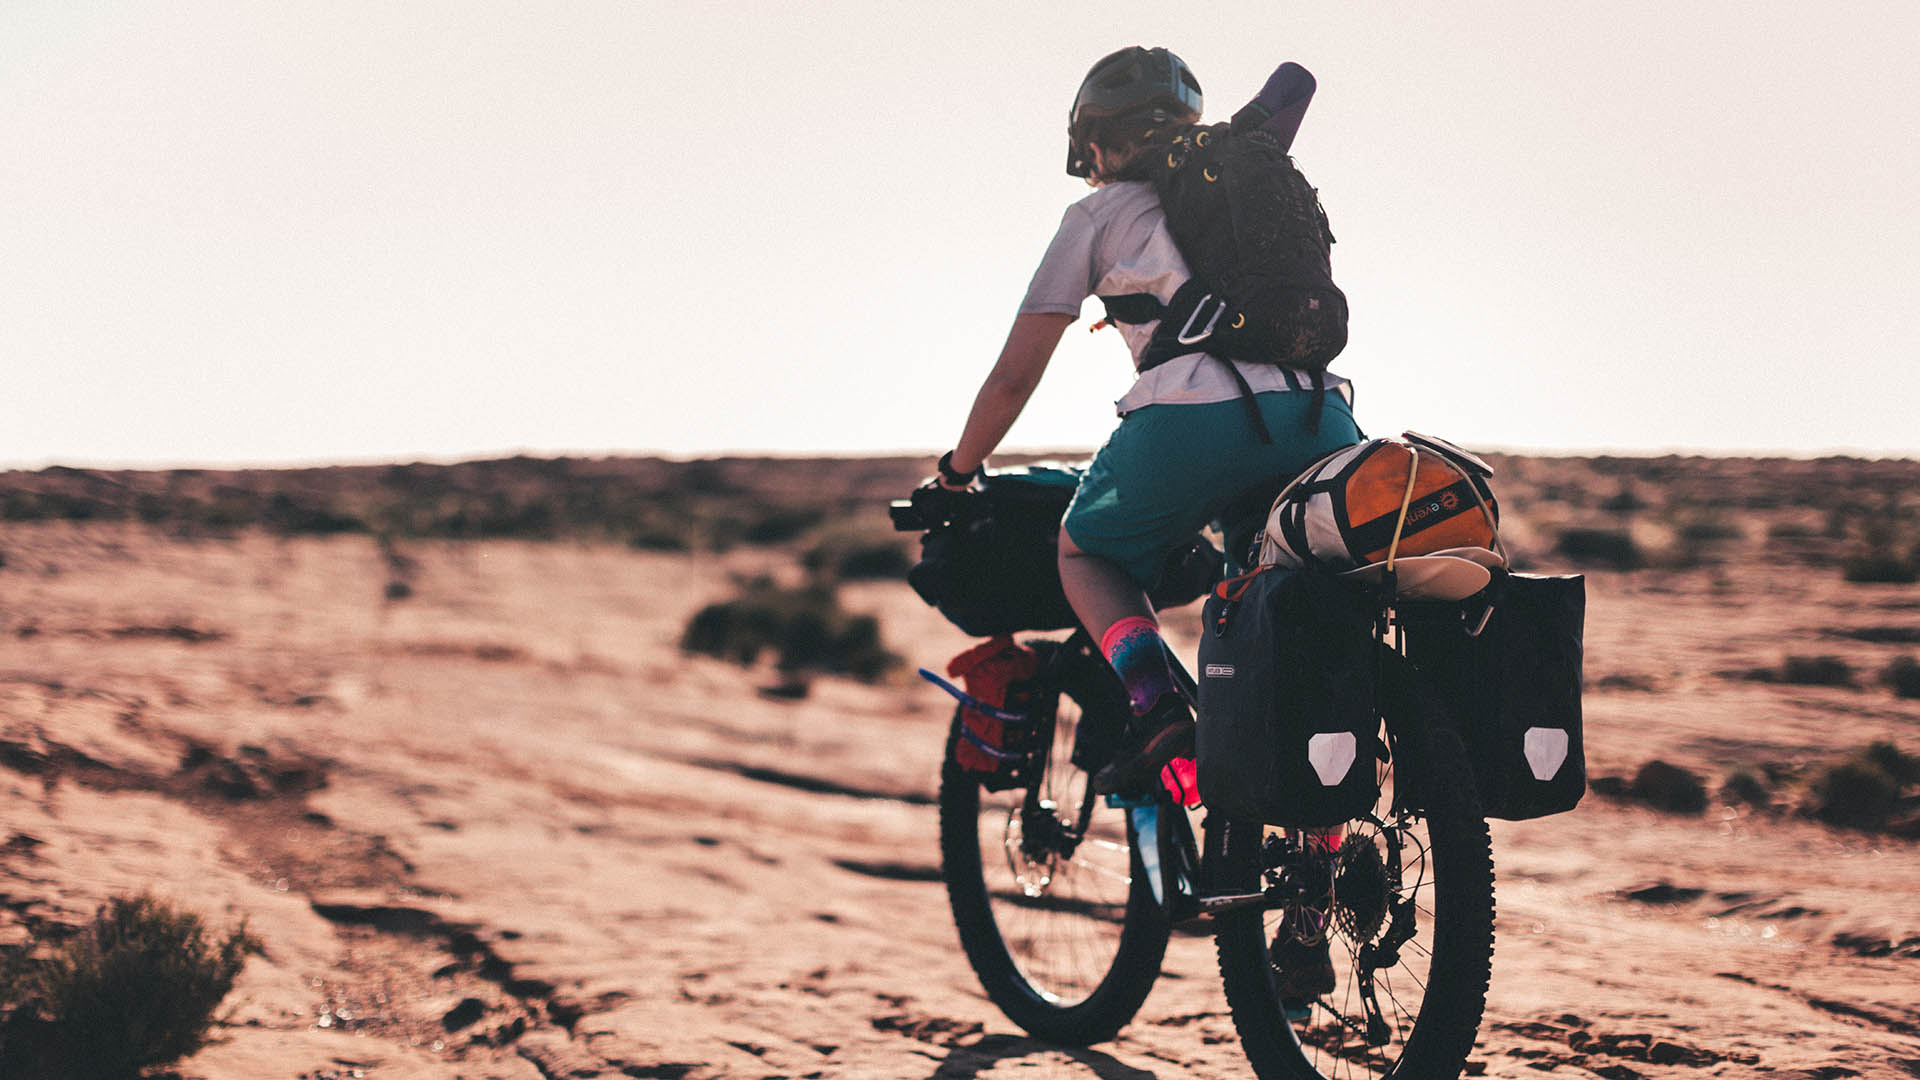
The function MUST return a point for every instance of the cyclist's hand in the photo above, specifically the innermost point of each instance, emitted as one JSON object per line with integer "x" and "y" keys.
{"x": 947, "y": 478}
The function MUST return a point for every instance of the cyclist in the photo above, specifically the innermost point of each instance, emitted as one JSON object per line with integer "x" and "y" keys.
{"x": 1185, "y": 450}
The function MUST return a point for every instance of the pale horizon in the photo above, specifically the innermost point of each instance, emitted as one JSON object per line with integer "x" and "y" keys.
{"x": 352, "y": 233}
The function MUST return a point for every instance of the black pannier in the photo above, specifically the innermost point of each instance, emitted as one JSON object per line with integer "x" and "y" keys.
{"x": 1513, "y": 690}
{"x": 988, "y": 559}
{"x": 1288, "y": 721}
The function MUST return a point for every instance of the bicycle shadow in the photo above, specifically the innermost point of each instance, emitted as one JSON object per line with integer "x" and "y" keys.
{"x": 969, "y": 1061}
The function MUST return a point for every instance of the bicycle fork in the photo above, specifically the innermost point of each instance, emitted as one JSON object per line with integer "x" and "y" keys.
{"x": 1169, "y": 855}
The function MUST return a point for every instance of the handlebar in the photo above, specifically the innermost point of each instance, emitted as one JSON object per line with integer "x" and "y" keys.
{"x": 930, "y": 507}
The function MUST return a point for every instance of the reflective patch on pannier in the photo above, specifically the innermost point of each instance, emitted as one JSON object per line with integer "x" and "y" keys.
{"x": 1546, "y": 751}
{"x": 1332, "y": 754}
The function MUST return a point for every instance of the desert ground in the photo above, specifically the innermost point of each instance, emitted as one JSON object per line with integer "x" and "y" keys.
{"x": 490, "y": 820}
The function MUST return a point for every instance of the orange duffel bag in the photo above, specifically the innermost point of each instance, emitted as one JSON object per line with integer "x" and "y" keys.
{"x": 1418, "y": 506}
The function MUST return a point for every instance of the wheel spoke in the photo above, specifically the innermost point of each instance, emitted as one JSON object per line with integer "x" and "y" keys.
{"x": 1042, "y": 884}
{"x": 1393, "y": 906}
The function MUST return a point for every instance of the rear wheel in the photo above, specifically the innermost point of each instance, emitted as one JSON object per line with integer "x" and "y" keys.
{"x": 1053, "y": 910}
{"x": 1401, "y": 903}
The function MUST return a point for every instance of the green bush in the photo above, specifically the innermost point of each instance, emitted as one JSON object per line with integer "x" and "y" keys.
{"x": 136, "y": 987}
{"x": 804, "y": 627}
{"x": 1902, "y": 676}
{"x": 1610, "y": 548}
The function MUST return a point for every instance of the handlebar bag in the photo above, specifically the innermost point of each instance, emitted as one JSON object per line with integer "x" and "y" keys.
{"x": 1513, "y": 690}
{"x": 993, "y": 568}
{"x": 1289, "y": 728}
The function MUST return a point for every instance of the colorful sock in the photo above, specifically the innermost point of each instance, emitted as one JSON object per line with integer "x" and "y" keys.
{"x": 1134, "y": 648}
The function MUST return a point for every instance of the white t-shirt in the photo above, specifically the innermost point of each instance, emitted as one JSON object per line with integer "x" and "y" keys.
{"x": 1115, "y": 242}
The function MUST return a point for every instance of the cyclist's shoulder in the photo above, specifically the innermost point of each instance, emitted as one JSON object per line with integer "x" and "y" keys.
{"x": 1128, "y": 213}
{"x": 1124, "y": 197}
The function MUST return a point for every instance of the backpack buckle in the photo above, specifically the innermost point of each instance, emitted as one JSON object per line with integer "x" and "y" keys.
{"x": 1187, "y": 336}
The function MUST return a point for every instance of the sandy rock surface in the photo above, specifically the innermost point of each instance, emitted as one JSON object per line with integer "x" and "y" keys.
{"x": 502, "y": 827}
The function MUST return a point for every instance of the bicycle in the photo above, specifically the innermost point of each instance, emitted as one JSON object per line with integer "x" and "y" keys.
{"x": 1064, "y": 900}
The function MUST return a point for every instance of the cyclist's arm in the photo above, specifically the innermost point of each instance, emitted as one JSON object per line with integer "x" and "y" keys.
{"x": 1023, "y": 360}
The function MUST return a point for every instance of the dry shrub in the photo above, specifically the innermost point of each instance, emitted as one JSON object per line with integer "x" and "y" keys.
{"x": 1664, "y": 786}
{"x": 1864, "y": 791}
{"x": 1710, "y": 530}
{"x": 805, "y": 627}
{"x": 1746, "y": 787}
{"x": 1902, "y": 676}
{"x": 780, "y": 524}
{"x": 1854, "y": 794}
{"x": 1878, "y": 635}
{"x": 1879, "y": 567}
{"x": 1792, "y": 530}
{"x": 1608, "y": 548}
{"x": 652, "y": 535}
{"x": 1800, "y": 671}
{"x": 1626, "y": 501}
{"x": 1903, "y": 767}
{"x": 852, "y": 556}
{"x": 136, "y": 987}
{"x": 1816, "y": 671}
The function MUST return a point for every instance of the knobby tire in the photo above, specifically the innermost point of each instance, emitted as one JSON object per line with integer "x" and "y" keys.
{"x": 1433, "y": 1035}
{"x": 1071, "y": 954}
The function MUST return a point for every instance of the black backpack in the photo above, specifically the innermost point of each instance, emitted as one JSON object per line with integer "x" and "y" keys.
{"x": 1258, "y": 245}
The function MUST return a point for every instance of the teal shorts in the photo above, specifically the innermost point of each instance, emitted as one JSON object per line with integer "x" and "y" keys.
{"x": 1168, "y": 471}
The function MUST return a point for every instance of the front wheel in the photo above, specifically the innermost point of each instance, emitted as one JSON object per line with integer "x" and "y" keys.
{"x": 1054, "y": 912}
{"x": 1400, "y": 903}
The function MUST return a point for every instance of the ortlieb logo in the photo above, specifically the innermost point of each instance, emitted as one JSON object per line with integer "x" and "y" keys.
{"x": 1219, "y": 671}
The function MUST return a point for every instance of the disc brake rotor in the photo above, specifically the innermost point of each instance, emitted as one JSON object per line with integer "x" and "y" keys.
{"x": 1032, "y": 864}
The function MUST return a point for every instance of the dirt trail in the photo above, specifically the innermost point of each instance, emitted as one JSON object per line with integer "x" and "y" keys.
{"x": 502, "y": 828}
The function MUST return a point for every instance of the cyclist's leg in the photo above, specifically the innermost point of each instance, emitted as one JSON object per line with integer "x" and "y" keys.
{"x": 1167, "y": 472}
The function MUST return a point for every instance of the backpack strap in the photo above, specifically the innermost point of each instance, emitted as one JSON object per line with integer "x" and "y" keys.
{"x": 1186, "y": 322}
{"x": 1174, "y": 336}
{"x": 1133, "y": 308}
{"x": 1252, "y": 403}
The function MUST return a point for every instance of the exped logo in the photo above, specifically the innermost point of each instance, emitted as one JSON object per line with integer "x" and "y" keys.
{"x": 1219, "y": 671}
{"x": 1446, "y": 501}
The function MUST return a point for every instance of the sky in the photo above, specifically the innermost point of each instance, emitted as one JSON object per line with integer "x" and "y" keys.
{"x": 351, "y": 230}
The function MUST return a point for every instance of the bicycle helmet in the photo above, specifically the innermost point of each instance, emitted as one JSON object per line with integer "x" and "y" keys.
{"x": 1134, "y": 79}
